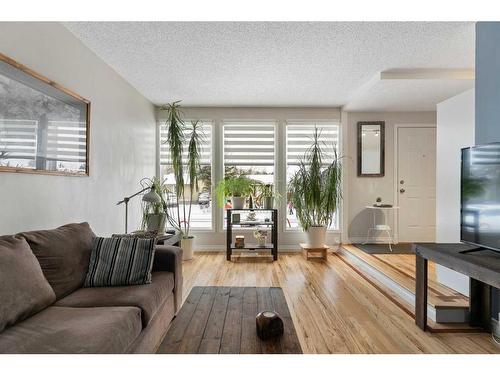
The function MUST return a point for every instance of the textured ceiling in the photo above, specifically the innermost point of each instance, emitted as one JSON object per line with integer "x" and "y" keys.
{"x": 274, "y": 63}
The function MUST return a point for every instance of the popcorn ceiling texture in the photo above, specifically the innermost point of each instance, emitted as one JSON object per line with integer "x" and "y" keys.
{"x": 276, "y": 63}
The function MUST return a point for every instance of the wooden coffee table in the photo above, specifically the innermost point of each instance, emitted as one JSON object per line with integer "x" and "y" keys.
{"x": 222, "y": 320}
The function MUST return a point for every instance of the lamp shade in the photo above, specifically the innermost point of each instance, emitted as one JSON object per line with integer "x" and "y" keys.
{"x": 151, "y": 197}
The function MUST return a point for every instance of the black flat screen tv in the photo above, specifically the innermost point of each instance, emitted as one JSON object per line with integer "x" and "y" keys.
{"x": 480, "y": 196}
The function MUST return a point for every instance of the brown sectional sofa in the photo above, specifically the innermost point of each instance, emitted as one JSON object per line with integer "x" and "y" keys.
{"x": 44, "y": 308}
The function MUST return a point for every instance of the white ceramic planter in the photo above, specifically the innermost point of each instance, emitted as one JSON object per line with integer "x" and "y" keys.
{"x": 238, "y": 202}
{"x": 316, "y": 236}
{"x": 269, "y": 203}
{"x": 187, "y": 248}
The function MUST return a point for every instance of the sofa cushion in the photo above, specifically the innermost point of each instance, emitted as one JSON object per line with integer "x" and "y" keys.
{"x": 147, "y": 297}
{"x": 23, "y": 289}
{"x": 74, "y": 330}
{"x": 64, "y": 255}
{"x": 120, "y": 261}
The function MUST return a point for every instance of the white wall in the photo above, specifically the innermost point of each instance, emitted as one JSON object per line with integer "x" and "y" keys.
{"x": 455, "y": 130}
{"x": 122, "y": 131}
{"x": 365, "y": 190}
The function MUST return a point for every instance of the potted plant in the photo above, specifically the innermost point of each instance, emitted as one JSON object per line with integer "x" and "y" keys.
{"x": 154, "y": 214}
{"x": 267, "y": 196}
{"x": 238, "y": 188}
{"x": 315, "y": 190}
{"x": 186, "y": 168}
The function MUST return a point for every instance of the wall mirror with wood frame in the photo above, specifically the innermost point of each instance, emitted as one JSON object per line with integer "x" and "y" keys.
{"x": 44, "y": 127}
{"x": 371, "y": 148}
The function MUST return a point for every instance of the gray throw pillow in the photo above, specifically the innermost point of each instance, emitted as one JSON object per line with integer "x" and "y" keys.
{"x": 24, "y": 290}
{"x": 120, "y": 261}
{"x": 63, "y": 254}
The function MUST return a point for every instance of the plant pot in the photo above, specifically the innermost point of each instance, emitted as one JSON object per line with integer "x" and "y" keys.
{"x": 156, "y": 222}
{"x": 238, "y": 202}
{"x": 268, "y": 203}
{"x": 316, "y": 237}
{"x": 187, "y": 248}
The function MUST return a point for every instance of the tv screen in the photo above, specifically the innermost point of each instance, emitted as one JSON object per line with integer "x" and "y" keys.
{"x": 480, "y": 196}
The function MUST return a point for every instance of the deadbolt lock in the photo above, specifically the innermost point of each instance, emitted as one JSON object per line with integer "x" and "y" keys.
{"x": 402, "y": 182}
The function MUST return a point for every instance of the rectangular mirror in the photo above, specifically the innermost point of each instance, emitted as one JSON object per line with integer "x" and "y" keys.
{"x": 44, "y": 128}
{"x": 371, "y": 142}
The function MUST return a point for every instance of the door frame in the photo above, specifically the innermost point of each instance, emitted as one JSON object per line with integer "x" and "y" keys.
{"x": 396, "y": 168}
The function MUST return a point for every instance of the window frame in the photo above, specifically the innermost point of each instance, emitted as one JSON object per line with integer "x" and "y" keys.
{"x": 275, "y": 123}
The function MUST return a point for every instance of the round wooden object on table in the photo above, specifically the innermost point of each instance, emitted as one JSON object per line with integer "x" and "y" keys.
{"x": 269, "y": 325}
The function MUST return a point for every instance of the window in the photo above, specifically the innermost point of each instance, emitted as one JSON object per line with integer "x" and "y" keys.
{"x": 54, "y": 145}
{"x": 201, "y": 210}
{"x": 298, "y": 139}
{"x": 249, "y": 150}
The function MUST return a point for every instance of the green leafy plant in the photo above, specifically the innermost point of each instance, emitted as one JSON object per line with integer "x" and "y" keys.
{"x": 153, "y": 208}
{"x": 238, "y": 186}
{"x": 315, "y": 189}
{"x": 185, "y": 164}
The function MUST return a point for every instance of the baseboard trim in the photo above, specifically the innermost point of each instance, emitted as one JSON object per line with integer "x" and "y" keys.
{"x": 375, "y": 240}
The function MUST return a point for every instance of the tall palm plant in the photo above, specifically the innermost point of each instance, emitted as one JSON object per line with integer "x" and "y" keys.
{"x": 315, "y": 188}
{"x": 196, "y": 139}
{"x": 175, "y": 141}
{"x": 185, "y": 164}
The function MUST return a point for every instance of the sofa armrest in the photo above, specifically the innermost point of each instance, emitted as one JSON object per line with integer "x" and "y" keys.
{"x": 169, "y": 258}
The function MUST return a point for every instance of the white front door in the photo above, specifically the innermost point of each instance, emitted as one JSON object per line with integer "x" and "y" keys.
{"x": 416, "y": 184}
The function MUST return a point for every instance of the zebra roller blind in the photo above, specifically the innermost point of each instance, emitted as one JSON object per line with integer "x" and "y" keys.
{"x": 299, "y": 138}
{"x": 249, "y": 144}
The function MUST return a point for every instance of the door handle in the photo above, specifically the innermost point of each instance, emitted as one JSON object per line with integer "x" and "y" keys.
{"x": 402, "y": 191}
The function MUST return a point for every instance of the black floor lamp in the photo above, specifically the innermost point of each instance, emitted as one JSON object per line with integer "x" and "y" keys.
{"x": 151, "y": 197}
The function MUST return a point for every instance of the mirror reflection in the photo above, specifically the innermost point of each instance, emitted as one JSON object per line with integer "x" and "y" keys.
{"x": 370, "y": 149}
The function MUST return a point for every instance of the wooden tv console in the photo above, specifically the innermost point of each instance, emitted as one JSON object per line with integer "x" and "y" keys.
{"x": 480, "y": 264}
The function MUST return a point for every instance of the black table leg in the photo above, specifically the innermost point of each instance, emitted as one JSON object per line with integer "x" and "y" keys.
{"x": 421, "y": 292}
{"x": 479, "y": 304}
{"x": 229, "y": 235}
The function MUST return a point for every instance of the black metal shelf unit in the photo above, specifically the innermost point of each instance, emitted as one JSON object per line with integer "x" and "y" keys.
{"x": 273, "y": 246}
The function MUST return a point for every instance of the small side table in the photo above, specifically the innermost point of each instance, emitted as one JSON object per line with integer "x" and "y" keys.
{"x": 322, "y": 251}
{"x": 384, "y": 227}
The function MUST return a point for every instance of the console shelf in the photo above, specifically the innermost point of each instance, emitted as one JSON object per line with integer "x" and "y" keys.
{"x": 249, "y": 247}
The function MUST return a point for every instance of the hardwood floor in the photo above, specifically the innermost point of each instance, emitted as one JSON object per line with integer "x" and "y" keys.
{"x": 333, "y": 308}
{"x": 401, "y": 269}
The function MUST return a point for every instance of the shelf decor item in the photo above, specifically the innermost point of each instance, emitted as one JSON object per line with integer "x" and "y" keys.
{"x": 239, "y": 242}
{"x": 261, "y": 237}
{"x": 185, "y": 163}
{"x": 269, "y": 324}
{"x": 315, "y": 190}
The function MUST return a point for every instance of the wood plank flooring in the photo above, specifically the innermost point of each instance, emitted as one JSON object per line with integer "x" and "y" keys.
{"x": 334, "y": 309}
{"x": 401, "y": 268}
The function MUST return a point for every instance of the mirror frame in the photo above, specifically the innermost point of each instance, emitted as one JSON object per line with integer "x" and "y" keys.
{"x": 25, "y": 70}
{"x": 382, "y": 148}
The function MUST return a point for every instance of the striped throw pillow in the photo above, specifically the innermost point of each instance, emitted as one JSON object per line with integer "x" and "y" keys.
{"x": 120, "y": 261}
